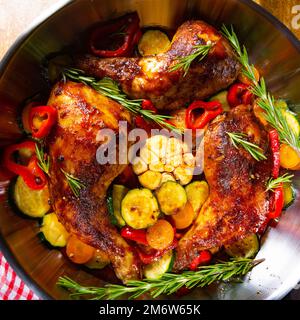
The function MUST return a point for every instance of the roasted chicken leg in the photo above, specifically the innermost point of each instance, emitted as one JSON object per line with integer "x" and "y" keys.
{"x": 238, "y": 203}
{"x": 150, "y": 77}
{"x": 73, "y": 143}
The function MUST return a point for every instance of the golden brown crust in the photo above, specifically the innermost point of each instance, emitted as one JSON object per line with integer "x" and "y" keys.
{"x": 72, "y": 147}
{"x": 150, "y": 77}
{"x": 238, "y": 203}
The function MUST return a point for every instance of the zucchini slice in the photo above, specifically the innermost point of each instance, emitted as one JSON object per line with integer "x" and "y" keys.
{"x": 139, "y": 208}
{"x": 110, "y": 207}
{"x": 33, "y": 203}
{"x": 292, "y": 121}
{"x": 156, "y": 269}
{"x": 197, "y": 193}
{"x": 288, "y": 194}
{"x": 281, "y": 104}
{"x": 118, "y": 193}
{"x": 53, "y": 231}
{"x": 153, "y": 42}
{"x": 99, "y": 261}
{"x": 171, "y": 197}
{"x": 245, "y": 248}
{"x": 222, "y": 98}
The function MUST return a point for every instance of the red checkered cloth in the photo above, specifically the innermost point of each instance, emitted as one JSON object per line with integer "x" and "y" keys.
{"x": 11, "y": 286}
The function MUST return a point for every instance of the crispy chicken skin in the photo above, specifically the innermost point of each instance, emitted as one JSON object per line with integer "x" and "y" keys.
{"x": 72, "y": 147}
{"x": 149, "y": 77}
{"x": 238, "y": 203}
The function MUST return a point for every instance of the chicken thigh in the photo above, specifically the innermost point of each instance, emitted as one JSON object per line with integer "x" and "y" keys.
{"x": 151, "y": 77}
{"x": 238, "y": 202}
{"x": 73, "y": 144}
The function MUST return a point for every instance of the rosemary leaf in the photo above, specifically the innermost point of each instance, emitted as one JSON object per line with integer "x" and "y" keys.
{"x": 184, "y": 63}
{"x": 110, "y": 89}
{"x": 266, "y": 101}
{"x": 169, "y": 283}
{"x": 275, "y": 183}
{"x": 43, "y": 160}
{"x": 74, "y": 183}
{"x": 238, "y": 139}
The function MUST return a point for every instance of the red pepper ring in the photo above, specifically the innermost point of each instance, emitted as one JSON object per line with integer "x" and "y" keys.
{"x": 238, "y": 94}
{"x": 50, "y": 116}
{"x": 211, "y": 110}
{"x": 141, "y": 122}
{"x": 148, "y": 105}
{"x": 139, "y": 236}
{"x": 148, "y": 258}
{"x": 203, "y": 258}
{"x": 32, "y": 174}
{"x": 278, "y": 203}
{"x": 275, "y": 147}
{"x": 40, "y": 179}
{"x": 132, "y": 35}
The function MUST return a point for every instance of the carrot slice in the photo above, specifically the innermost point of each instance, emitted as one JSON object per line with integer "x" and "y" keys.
{"x": 184, "y": 217}
{"x": 78, "y": 251}
{"x": 160, "y": 235}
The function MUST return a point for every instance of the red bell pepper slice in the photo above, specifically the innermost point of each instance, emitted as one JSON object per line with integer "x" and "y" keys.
{"x": 148, "y": 105}
{"x": 278, "y": 203}
{"x": 48, "y": 115}
{"x": 275, "y": 147}
{"x": 32, "y": 174}
{"x": 238, "y": 94}
{"x": 278, "y": 199}
{"x": 211, "y": 110}
{"x": 148, "y": 258}
{"x": 140, "y": 122}
{"x": 139, "y": 236}
{"x": 203, "y": 258}
{"x": 132, "y": 35}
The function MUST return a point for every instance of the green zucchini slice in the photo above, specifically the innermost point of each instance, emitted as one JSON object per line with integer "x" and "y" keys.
{"x": 53, "y": 231}
{"x": 33, "y": 203}
{"x": 156, "y": 269}
{"x": 197, "y": 193}
{"x": 245, "y": 248}
{"x": 292, "y": 122}
{"x": 139, "y": 208}
{"x": 288, "y": 194}
{"x": 153, "y": 42}
{"x": 171, "y": 197}
{"x": 222, "y": 98}
{"x": 118, "y": 193}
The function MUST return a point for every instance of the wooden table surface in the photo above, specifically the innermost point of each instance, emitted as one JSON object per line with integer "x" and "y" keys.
{"x": 15, "y": 15}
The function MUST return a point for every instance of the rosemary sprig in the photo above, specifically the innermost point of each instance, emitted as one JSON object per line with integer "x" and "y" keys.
{"x": 200, "y": 52}
{"x": 74, "y": 183}
{"x": 43, "y": 160}
{"x": 168, "y": 284}
{"x": 275, "y": 183}
{"x": 266, "y": 101}
{"x": 238, "y": 139}
{"x": 110, "y": 89}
